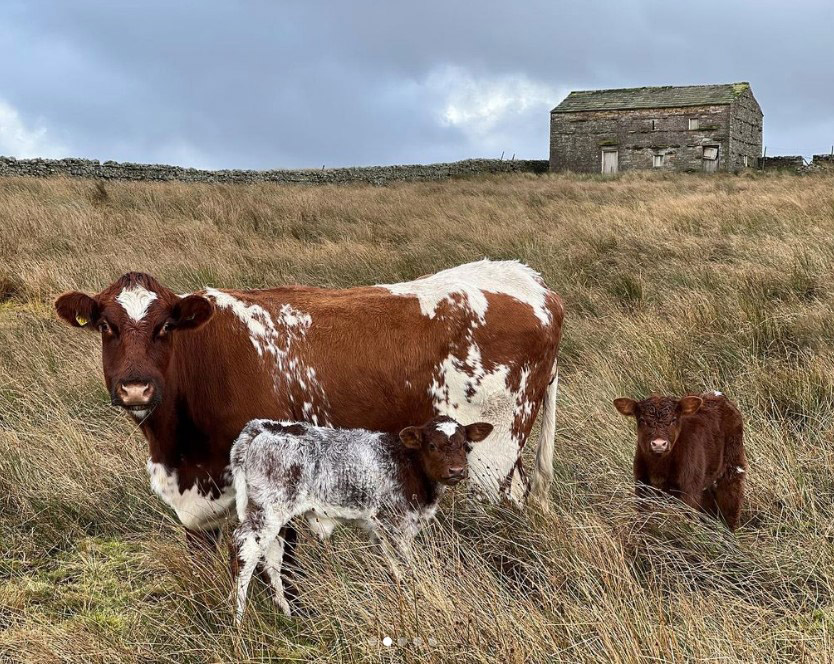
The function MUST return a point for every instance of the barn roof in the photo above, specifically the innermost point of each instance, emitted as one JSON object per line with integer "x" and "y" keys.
{"x": 666, "y": 96}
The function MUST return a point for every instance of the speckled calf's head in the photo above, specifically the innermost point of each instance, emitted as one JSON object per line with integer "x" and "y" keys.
{"x": 442, "y": 444}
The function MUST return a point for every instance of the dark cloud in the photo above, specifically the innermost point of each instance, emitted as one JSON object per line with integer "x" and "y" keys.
{"x": 266, "y": 84}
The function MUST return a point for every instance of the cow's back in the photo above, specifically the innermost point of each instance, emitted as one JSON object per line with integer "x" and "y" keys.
{"x": 477, "y": 342}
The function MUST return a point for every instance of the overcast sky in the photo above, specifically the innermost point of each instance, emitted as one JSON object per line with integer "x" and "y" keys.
{"x": 257, "y": 84}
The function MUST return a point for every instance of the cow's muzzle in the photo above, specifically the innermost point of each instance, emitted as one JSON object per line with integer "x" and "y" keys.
{"x": 136, "y": 396}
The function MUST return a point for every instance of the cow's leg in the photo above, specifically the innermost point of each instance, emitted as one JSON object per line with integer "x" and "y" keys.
{"x": 200, "y": 542}
{"x": 272, "y": 561}
{"x": 291, "y": 569}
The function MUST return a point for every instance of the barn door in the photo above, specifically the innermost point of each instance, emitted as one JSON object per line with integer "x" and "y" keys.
{"x": 711, "y": 158}
{"x": 610, "y": 161}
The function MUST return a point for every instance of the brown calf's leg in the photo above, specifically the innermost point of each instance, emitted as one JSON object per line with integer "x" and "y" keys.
{"x": 708, "y": 503}
{"x": 729, "y": 495}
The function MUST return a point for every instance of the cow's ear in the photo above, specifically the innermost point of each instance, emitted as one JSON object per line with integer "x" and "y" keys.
{"x": 191, "y": 312}
{"x": 412, "y": 437}
{"x": 627, "y": 407}
{"x": 78, "y": 309}
{"x": 690, "y": 405}
{"x": 476, "y": 432}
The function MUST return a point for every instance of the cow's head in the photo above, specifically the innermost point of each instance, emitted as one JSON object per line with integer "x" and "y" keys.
{"x": 137, "y": 318}
{"x": 442, "y": 445}
{"x": 658, "y": 420}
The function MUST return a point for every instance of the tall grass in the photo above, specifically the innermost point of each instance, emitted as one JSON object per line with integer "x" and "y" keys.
{"x": 671, "y": 283}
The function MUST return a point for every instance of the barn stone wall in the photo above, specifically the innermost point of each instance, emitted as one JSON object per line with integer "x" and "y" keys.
{"x": 111, "y": 170}
{"x": 577, "y": 138}
{"x": 745, "y": 132}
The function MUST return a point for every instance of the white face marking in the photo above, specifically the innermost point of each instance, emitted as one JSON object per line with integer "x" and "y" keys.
{"x": 449, "y": 428}
{"x": 135, "y": 301}
{"x": 471, "y": 281}
{"x": 194, "y": 510}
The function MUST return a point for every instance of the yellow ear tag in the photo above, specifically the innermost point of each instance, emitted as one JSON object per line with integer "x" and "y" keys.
{"x": 81, "y": 320}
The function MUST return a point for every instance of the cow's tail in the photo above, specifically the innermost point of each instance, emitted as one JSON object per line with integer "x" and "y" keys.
{"x": 542, "y": 475}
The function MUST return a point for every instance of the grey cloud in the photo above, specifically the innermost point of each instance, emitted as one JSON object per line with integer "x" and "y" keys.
{"x": 265, "y": 84}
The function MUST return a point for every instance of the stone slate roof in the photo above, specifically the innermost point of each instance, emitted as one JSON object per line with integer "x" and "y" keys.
{"x": 667, "y": 96}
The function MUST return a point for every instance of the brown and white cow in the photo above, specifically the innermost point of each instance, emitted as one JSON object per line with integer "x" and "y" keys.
{"x": 691, "y": 448}
{"x": 474, "y": 342}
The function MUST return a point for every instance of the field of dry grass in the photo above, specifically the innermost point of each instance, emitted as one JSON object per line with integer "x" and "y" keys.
{"x": 670, "y": 282}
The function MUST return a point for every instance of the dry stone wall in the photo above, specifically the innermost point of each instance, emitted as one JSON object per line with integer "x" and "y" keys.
{"x": 111, "y": 170}
{"x": 790, "y": 162}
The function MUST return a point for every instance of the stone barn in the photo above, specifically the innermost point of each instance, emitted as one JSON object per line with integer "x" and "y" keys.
{"x": 673, "y": 128}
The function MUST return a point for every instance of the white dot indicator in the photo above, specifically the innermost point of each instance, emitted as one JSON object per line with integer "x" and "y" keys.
{"x": 387, "y": 641}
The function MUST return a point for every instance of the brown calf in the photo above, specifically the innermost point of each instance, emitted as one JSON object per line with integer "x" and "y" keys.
{"x": 691, "y": 448}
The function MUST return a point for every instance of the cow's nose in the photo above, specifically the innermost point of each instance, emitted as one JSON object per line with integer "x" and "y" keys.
{"x": 457, "y": 471}
{"x": 659, "y": 445}
{"x": 135, "y": 393}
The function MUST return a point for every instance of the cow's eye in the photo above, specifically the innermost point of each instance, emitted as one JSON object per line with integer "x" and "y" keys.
{"x": 167, "y": 326}
{"x": 104, "y": 327}
{"x": 432, "y": 447}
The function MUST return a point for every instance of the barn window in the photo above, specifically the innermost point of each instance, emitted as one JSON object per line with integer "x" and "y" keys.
{"x": 711, "y": 153}
{"x": 693, "y": 123}
{"x": 657, "y": 160}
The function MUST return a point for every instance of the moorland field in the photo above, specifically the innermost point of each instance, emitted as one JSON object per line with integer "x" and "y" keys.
{"x": 671, "y": 283}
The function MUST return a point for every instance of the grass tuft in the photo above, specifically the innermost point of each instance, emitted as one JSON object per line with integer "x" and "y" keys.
{"x": 671, "y": 283}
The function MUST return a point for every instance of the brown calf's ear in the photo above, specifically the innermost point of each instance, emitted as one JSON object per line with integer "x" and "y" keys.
{"x": 191, "y": 312}
{"x": 627, "y": 407}
{"x": 478, "y": 431}
{"x": 412, "y": 437}
{"x": 690, "y": 405}
{"x": 77, "y": 309}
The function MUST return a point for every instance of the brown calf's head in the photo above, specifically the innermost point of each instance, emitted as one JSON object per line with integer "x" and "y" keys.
{"x": 443, "y": 444}
{"x": 658, "y": 420}
{"x": 136, "y": 316}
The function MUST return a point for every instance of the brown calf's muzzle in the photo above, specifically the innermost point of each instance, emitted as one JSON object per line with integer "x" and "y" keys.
{"x": 659, "y": 446}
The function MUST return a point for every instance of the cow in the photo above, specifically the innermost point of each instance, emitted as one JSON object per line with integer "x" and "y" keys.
{"x": 691, "y": 448}
{"x": 478, "y": 342}
{"x": 387, "y": 484}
